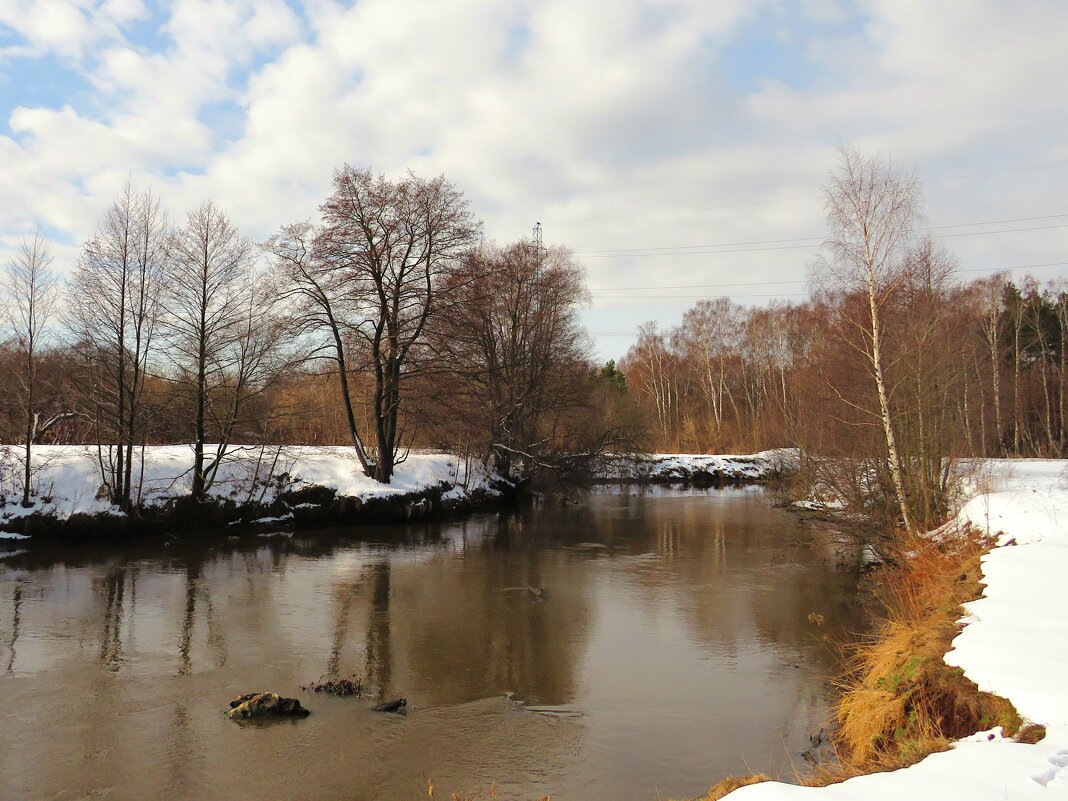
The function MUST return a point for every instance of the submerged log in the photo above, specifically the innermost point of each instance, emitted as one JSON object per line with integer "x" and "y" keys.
{"x": 538, "y": 593}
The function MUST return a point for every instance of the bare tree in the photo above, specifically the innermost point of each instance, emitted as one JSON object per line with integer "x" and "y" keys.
{"x": 220, "y": 331}
{"x": 321, "y": 305}
{"x": 711, "y": 335}
{"x": 513, "y": 342}
{"x": 32, "y": 290}
{"x": 390, "y": 244}
{"x": 1059, "y": 295}
{"x": 114, "y": 307}
{"x": 652, "y": 364}
{"x": 927, "y": 374}
{"x": 991, "y": 293}
{"x": 871, "y": 210}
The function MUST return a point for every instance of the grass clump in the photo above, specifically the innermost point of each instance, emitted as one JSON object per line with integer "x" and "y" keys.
{"x": 900, "y": 700}
{"x": 732, "y": 783}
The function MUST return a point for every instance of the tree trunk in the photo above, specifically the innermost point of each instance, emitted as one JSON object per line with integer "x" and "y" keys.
{"x": 884, "y": 409}
{"x": 198, "y": 488}
{"x": 30, "y": 424}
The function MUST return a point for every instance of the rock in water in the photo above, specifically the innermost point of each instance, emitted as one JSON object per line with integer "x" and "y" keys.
{"x": 261, "y": 705}
{"x": 392, "y": 706}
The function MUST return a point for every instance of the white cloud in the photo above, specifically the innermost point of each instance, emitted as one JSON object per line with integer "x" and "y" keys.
{"x": 64, "y": 27}
{"x": 585, "y": 116}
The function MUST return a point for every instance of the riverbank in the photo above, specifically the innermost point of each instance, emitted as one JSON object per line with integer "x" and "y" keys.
{"x": 697, "y": 469}
{"x": 669, "y": 642}
{"x": 254, "y": 486}
{"x": 300, "y": 486}
{"x": 1013, "y": 644}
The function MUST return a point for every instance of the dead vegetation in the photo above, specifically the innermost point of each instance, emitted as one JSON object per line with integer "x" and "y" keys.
{"x": 900, "y": 701}
{"x": 732, "y": 783}
{"x": 342, "y": 687}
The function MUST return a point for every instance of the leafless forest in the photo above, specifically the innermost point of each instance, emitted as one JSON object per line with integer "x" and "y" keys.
{"x": 390, "y": 323}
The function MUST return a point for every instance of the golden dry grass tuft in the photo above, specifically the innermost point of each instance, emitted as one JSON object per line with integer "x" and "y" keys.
{"x": 900, "y": 700}
{"x": 732, "y": 783}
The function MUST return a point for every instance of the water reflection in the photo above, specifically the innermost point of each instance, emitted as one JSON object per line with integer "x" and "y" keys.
{"x": 671, "y": 645}
{"x": 112, "y": 586}
{"x": 379, "y": 664}
{"x": 344, "y": 594}
{"x": 16, "y": 619}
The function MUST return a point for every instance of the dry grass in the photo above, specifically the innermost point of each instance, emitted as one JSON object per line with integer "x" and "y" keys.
{"x": 732, "y": 783}
{"x": 900, "y": 700}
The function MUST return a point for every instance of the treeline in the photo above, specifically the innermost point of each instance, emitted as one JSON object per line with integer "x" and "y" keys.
{"x": 991, "y": 354}
{"x": 384, "y": 324}
{"x": 893, "y": 369}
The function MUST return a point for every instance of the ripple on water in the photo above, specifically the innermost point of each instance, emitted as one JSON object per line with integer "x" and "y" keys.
{"x": 658, "y": 658}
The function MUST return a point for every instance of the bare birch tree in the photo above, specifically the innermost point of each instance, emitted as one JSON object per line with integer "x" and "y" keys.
{"x": 872, "y": 209}
{"x": 32, "y": 289}
{"x": 990, "y": 293}
{"x": 711, "y": 336}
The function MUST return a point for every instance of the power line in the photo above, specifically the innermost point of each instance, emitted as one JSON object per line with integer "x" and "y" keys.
{"x": 679, "y": 252}
{"x": 993, "y": 222}
{"x": 743, "y": 204}
{"x": 802, "y": 281}
{"x": 815, "y": 241}
{"x": 707, "y": 297}
{"x": 633, "y": 251}
{"x": 1005, "y": 231}
{"x": 628, "y": 254}
{"x": 692, "y": 286}
{"x": 994, "y": 172}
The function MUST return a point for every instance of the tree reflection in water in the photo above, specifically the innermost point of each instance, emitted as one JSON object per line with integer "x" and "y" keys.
{"x": 673, "y": 635}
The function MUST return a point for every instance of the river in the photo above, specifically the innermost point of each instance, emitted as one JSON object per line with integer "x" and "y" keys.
{"x": 677, "y": 636}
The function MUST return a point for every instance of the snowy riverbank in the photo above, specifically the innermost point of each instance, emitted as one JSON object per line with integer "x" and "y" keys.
{"x": 273, "y": 480}
{"x": 1014, "y": 644}
{"x": 67, "y": 480}
{"x": 696, "y": 468}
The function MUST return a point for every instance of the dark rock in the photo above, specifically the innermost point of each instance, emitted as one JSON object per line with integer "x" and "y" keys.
{"x": 397, "y": 705}
{"x": 258, "y": 705}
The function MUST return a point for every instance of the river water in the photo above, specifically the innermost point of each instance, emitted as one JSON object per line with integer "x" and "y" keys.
{"x": 675, "y": 641}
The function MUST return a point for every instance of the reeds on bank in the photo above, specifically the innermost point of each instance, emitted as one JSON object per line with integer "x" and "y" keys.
{"x": 900, "y": 701}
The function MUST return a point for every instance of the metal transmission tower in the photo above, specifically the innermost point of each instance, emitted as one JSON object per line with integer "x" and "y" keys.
{"x": 539, "y": 247}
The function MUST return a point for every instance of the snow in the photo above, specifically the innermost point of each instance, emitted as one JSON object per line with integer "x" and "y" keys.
{"x": 266, "y": 521}
{"x": 1014, "y": 644}
{"x": 11, "y": 535}
{"x": 68, "y": 481}
{"x": 683, "y": 466}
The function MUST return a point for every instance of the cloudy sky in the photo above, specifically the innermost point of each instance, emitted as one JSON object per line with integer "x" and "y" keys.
{"x": 677, "y": 146}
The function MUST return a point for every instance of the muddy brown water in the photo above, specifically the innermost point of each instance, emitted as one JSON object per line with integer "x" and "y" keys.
{"x": 672, "y": 645}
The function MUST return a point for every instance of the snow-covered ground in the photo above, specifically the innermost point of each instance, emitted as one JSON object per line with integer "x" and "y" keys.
{"x": 1014, "y": 644}
{"x": 67, "y": 478}
{"x": 667, "y": 467}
